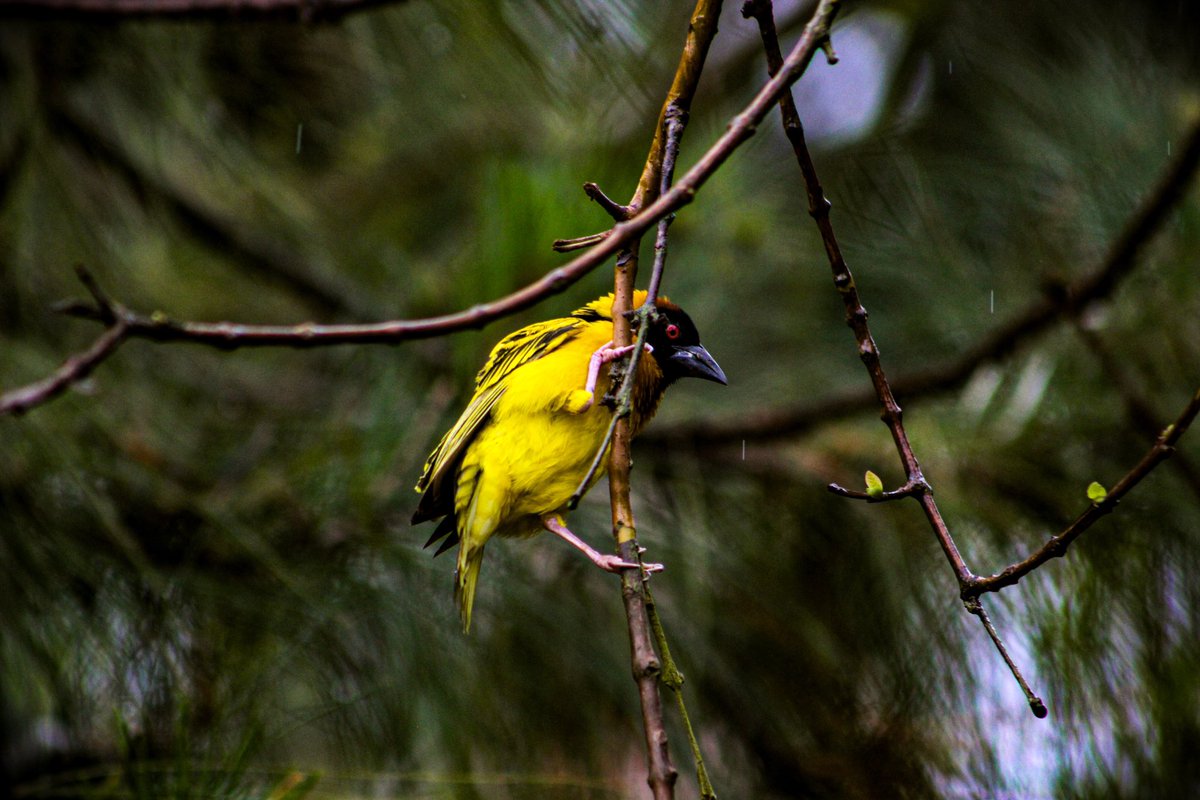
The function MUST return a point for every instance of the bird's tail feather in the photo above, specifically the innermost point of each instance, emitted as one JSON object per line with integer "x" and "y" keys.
{"x": 466, "y": 576}
{"x": 447, "y": 530}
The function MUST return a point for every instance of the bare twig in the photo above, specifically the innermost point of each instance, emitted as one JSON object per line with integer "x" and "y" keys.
{"x": 74, "y": 369}
{"x": 646, "y": 665}
{"x": 674, "y": 120}
{"x": 856, "y": 317}
{"x": 79, "y": 366}
{"x": 158, "y": 327}
{"x": 614, "y": 209}
{"x": 1035, "y": 703}
{"x": 907, "y": 490}
{"x": 579, "y": 242}
{"x": 1138, "y": 409}
{"x": 1056, "y": 546}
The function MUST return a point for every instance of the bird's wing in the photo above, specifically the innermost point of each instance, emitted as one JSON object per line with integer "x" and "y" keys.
{"x": 520, "y": 347}
{"x": 528, "y": 344}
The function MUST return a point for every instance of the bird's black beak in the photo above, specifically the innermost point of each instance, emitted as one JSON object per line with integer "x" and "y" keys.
{"x": 695, "y": 362}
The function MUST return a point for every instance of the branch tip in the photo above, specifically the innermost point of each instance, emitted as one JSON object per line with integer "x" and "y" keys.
{"x": 106, "y": 308}
{"x": 1038, "y": 708}
{"x": 831, "y": 56}
{"x": 579, "y": 242}
{"x": 618, "y": 212}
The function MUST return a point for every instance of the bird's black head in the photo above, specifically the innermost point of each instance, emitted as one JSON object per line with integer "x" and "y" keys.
{"x": 677, "y": 348}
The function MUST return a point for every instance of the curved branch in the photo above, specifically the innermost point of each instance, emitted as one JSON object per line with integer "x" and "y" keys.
{"x": 158, "y": 327}
{"x": 73, "y": 370}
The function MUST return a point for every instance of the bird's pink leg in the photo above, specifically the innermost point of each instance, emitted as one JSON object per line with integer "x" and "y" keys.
{"x": 599, "y": 358}
{"x": 606, "y": 562}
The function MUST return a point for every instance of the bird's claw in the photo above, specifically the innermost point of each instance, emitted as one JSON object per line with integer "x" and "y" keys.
{"x": 615, "y": 564}
{"x": 581, "y": 401}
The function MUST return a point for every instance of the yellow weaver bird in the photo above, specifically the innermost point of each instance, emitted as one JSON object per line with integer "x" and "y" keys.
{"x": 519, "y": 451}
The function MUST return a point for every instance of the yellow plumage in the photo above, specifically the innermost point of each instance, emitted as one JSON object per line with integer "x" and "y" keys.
{"x": 529, "y": 434}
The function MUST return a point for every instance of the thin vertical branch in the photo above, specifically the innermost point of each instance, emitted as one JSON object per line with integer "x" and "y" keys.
{"x": 701, "y": 31}
{"x": 856, "y": 315}
{"x": 856, "y": 318}
{"x": 646, "y": 666}
{"x": 621, "y": 393}
{"x": 672, "y": 678}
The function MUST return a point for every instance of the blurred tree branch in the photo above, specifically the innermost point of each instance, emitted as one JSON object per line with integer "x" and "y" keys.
{"x": 11, "y": 163}
{"x": 242, "y": 10}
{"x": 1060, "y": 302}
{"x": 321, "y": 292}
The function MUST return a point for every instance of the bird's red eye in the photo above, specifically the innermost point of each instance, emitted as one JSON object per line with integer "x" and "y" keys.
{"x": 672, "y": 331}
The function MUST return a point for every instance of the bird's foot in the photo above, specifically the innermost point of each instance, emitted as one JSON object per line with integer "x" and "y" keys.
{"x": 607, "y": 562}
{"x": 581, "y": 400}
{"x": 611, "y": 563}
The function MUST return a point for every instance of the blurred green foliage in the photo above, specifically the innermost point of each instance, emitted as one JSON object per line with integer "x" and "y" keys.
{"x": 209, "y": 586}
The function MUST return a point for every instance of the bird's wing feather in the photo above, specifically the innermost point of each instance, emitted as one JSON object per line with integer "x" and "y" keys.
{"x": 520, "y": 347}
{"x": 528, "y": 344}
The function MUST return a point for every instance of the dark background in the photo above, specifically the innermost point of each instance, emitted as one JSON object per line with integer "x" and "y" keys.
{"x": 208, "y": 586}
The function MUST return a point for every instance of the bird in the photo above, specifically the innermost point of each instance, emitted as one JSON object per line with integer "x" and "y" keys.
{"x": 526, "y": 440}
